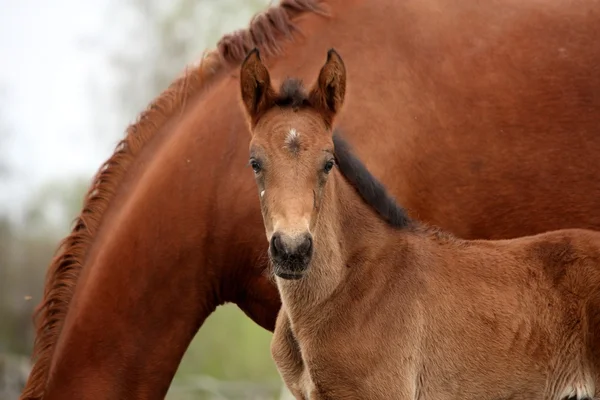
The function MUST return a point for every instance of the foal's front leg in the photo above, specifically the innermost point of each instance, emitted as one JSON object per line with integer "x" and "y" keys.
{"x": 285, "y": 351}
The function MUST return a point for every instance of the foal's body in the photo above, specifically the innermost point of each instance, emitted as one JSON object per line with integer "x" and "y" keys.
{"x": 419, "y": 315}
{"x": 376, "y": 306}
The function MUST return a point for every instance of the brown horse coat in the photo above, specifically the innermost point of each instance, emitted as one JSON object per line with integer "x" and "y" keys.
{"x": 480, "y": 117}
{"x": 421, "y": 315}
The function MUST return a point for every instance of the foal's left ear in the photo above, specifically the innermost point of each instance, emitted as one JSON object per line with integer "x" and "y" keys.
{"x": 327, "y": 95}
{"x": 257, "y": 94}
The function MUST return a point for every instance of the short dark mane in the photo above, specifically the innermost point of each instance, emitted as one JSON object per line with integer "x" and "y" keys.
{"x": 370, "y": 189}
{"x": 292, "y": 94}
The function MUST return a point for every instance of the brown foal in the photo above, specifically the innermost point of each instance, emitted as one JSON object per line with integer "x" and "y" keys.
{"x": 377, "y": 306}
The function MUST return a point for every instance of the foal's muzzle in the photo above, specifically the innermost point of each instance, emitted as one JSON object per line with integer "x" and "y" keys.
{"x": 290, "y": 254}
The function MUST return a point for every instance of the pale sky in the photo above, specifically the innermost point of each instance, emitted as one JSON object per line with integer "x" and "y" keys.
{"x": 53, "y": 67}
{"x": 45, "y": 73}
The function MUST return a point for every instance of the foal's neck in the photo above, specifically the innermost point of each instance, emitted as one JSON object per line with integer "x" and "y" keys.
{"x": 348, "y": 234}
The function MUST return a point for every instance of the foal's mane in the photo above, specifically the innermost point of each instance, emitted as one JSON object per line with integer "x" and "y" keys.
{"x": 368, "y": 187}
{"x": 266, "y": 31}
{"x": 292, "y": 94}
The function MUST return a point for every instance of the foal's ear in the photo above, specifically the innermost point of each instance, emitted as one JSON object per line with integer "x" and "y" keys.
{"x": 257, "y": 94}
{"x": 327, "y": 95}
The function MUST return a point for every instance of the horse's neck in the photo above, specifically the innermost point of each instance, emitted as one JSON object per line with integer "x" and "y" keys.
{"x": 348, "y": 234}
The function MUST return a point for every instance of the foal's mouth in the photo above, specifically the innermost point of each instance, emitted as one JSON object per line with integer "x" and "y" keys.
{"x": 289, "y": 269}
{"x": 292, "y": 270}
{"x": 292, "y": 276}
{"x": 290, "y": 266}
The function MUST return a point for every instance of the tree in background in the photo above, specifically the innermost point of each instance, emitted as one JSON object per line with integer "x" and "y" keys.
{"x": 4, "y": 135}
{"x": 26, "y": 247}
{"x": 163, "y": 37}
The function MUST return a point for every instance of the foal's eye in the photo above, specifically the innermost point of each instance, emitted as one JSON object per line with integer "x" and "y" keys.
{"x": 328, "y": 166}
{"x": 255, "y": 166}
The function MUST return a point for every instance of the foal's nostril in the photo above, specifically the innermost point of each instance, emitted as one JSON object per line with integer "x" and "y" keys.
{"x": 291, "y": 248}
{"x": 277, "y": 244}
{"x": 305, "y": 247}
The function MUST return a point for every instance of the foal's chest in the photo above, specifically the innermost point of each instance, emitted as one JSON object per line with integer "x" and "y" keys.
{"x": 352, "y": 363}
{"x": 358, "y": 377}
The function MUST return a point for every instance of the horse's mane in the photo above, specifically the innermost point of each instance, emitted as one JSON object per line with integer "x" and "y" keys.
{"x": 376, "y": 196}
{"x": 266, "y": 31}
{"x": 368, "y": 187}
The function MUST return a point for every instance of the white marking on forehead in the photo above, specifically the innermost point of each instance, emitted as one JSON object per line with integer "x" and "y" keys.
{"x": 262, "y": 193}
{"x": 291, "y": 136}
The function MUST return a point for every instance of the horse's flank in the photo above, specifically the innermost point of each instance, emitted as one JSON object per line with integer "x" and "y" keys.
{"x": 266, "y": 31}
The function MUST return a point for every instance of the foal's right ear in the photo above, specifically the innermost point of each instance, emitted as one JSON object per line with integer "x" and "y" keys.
{"x": 257, "y": 94}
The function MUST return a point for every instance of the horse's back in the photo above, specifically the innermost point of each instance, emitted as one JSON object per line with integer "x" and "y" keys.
{"x": 573, "y": 262}
{"x": 568, "y": 258}
{"x": 569, "y": 263}
{"x": 513, "y": 107}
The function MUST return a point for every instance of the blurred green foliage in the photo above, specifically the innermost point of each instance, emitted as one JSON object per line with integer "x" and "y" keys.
{"x": 26, "y": 248}
{"x": 231, "y": 348}
{"x": 164, "y": 38}
{"x": 243, "y": 348}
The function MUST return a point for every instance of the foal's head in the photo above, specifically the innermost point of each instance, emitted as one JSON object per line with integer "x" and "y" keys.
{"x": 292, "y": 154}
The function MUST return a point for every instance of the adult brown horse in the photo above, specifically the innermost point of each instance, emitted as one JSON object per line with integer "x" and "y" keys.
{"x": 480, "y": 117}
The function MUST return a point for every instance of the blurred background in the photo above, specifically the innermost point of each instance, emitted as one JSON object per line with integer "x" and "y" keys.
{"x": 73, "y": 75}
